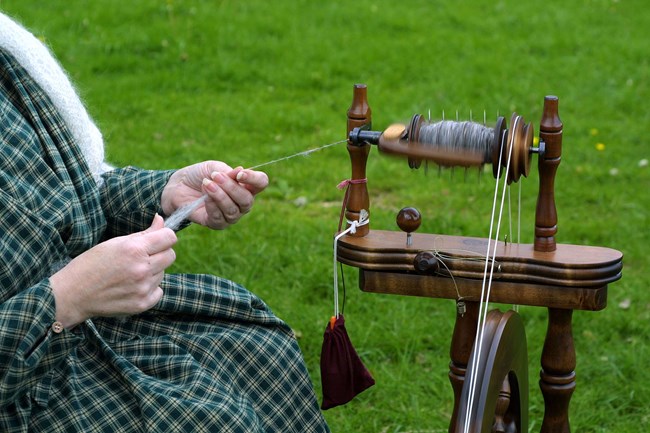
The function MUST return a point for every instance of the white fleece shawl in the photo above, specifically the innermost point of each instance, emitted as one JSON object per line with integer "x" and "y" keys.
{"x": 41, "y": 65}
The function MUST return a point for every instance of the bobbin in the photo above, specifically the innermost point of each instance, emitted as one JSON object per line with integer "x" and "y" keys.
{"x": 516, "y": 141}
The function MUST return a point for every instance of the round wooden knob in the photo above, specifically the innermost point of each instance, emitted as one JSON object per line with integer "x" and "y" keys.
{"x": 409, "y": 219}
{"x": 425, "y": 262}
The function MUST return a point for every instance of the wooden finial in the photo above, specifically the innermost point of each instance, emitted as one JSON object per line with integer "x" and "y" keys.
{"x": 550, "y": 132}
{"x": 359, "y": 114}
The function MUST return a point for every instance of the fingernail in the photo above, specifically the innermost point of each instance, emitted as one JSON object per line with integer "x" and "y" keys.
{"x": 241, "y": 176}
{"x": 220, "y": 178}
{"x": 209, "y": 185}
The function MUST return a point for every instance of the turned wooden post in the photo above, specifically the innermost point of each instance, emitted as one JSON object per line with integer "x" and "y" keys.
{"x": 550, "y": 132}
{"x": 359, "y": 114}
{"x": 460, "y": 351}
{"x": 557, "y": 378}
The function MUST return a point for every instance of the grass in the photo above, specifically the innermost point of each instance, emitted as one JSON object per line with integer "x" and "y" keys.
{"x": 174, "y": 82}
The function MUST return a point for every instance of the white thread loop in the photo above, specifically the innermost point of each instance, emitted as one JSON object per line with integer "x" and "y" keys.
{"x": 362, "y": 221}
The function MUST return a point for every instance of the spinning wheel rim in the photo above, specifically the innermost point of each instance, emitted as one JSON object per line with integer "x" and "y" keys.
{"x": 503, "y": 355}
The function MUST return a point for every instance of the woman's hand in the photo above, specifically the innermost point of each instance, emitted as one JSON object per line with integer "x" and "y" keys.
{"x": 118, "y": 277}
{"x": 231, "y": 192}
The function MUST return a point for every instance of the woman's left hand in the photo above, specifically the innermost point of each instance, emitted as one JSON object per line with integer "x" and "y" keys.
{"x": 231, "y": 192}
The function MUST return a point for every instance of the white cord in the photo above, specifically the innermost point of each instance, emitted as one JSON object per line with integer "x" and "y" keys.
{"x": 485, "y": 292}
{"x": 362, "y": 221}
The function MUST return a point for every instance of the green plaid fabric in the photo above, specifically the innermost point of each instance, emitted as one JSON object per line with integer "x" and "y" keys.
{"x": 210, "y": 357}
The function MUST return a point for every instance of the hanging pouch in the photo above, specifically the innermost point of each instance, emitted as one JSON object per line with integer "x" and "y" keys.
{"x": 343, "y": 375}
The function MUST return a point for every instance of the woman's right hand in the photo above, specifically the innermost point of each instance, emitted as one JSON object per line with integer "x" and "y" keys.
{"x": 118, "y": 277}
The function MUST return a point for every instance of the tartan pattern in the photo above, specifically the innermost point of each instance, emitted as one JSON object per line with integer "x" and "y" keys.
{"x": 210, "y": 357}
{"x": 130, "y": 197}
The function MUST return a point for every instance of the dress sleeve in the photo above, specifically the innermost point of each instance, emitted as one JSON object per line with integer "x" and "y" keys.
{"x": 130, "y": 198}
{"x": 31, "y": 346}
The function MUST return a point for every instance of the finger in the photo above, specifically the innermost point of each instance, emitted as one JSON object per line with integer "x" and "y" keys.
{"x": 216, "y": 167}
{"x": 238, "y": 193}
{"x": 157, "y": 241}
{"x": 156, "y": 295}
{"x": 157, "y": 223}
{"x": 232, "y": 173}
{"x": 228, "y": 199}
{"x": 255, "y": 181}
{"x": 147, "y": 302}
{"x": 160, "y": 261}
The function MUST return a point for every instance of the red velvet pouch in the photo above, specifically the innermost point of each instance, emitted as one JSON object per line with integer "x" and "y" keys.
{"x": 343, "y": 375}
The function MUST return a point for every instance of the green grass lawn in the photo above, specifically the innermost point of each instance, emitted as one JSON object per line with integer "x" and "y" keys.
{"x": 173, "y": 82}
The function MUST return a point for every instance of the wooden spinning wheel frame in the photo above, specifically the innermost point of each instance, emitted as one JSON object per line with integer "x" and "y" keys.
{"x": 559, "y": 277}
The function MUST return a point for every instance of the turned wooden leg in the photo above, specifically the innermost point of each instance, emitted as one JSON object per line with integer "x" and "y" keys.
{"x": 557, "y": 378}
{"x": 461, "y": 348}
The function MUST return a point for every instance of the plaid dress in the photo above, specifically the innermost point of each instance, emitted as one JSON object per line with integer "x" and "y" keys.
{"x": 210, "y": 357}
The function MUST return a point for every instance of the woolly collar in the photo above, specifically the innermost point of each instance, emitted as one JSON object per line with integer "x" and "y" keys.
{"x": 41, "y": 65}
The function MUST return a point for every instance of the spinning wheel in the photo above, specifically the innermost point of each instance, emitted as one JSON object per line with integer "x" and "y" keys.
{"x": 488, "y": 369}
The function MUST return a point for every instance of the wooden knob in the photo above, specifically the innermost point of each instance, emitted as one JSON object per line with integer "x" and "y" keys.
{"x": 409, "y": 219}
{"x": 425, "y": 262}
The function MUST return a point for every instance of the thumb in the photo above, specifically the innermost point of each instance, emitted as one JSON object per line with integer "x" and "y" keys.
{"x": 157, "y": 224}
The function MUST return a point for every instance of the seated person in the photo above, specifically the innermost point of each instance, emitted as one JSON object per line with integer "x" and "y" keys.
{"x": 94, "y": 336}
